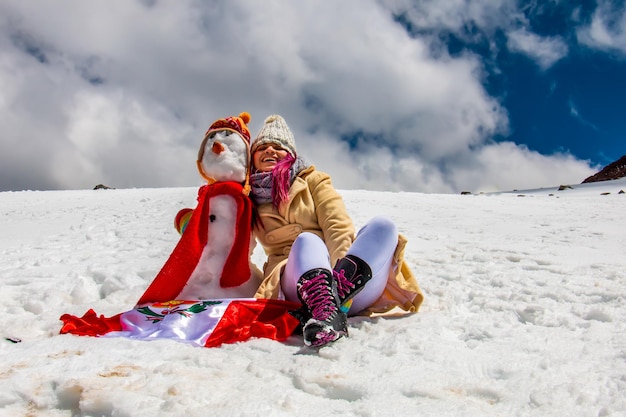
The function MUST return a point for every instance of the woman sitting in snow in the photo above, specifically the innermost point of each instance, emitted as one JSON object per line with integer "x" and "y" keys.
{"x": 313, "y": 253}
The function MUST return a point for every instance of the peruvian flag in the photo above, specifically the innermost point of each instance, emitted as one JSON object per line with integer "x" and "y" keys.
{"x": 207, "y": 323}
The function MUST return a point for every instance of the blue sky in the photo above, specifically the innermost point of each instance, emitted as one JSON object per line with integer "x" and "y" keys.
{"x": 425, "y": 96}
{"x": 574, "y": 106}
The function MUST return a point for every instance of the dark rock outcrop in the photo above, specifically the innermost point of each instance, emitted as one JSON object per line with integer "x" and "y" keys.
{"x": 103, "y": 187}
{"x": 612, "y": 171}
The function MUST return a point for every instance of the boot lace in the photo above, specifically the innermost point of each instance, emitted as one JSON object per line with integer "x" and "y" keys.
{"x": 344, "y": 285}
{"x": 319, "y": 298}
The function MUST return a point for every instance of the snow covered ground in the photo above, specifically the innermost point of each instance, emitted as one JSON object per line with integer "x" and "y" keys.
{"x": 524, "y": 313}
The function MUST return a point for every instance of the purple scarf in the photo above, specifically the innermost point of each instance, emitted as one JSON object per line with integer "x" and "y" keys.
{"x": 273, "y": 187}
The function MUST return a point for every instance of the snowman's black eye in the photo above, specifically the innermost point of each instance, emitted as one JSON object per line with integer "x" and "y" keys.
{"x": 211, "y": 135}
{"x": 227, "y": 133}
{"x": 212, "y": 218}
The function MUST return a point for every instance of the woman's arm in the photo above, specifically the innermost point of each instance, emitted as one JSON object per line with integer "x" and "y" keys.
{"x": 335, "y": 223}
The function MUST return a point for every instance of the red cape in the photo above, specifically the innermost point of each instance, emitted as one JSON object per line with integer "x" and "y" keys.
{"x": 172, "y": 278}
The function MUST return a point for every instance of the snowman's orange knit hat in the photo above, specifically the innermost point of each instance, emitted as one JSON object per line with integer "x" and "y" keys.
{"x": 237, "y": 124}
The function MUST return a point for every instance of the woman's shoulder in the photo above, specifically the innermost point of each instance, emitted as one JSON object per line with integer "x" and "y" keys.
{"x": 311, "y": 174}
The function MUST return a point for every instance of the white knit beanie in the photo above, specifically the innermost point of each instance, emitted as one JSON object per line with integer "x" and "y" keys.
{"x": 275, "y": 130}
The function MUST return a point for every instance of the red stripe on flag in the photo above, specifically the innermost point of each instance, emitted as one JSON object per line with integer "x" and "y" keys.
{"x": 255, "y": 318}
{"x": 90, "y": 324}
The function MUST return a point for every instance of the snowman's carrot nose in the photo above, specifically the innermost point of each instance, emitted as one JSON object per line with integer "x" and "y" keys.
{"x": 217, "y": 148}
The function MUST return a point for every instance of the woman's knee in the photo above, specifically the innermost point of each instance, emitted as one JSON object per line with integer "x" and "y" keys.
{"x": 376, "y": 240}
{"x": 380, "y": 226}
{"x": 308, "y": 242}
{"x": 307, "y": 252}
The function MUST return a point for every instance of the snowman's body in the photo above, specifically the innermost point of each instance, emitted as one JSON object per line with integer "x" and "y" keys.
{"x": 204, "y": 282}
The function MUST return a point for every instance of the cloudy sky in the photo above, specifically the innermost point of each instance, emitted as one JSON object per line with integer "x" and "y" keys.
{"x": 427, "y": 96}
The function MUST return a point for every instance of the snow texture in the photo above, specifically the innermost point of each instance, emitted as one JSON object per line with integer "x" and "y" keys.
{"x": 524, "y": 313}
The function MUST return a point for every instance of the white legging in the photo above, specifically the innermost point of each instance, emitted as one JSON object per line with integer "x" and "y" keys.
{"x": 375, "y": 243}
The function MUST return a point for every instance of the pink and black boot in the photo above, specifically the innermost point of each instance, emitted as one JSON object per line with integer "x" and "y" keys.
{"x": 326, "y": 323}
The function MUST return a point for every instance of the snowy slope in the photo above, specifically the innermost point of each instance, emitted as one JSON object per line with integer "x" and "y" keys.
{"x": 524, "y": 313}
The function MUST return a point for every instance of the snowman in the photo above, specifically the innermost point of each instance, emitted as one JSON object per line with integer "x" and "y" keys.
{"x": 212, "y": 258}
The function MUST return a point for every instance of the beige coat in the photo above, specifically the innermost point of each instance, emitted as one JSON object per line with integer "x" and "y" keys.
{"x": 315, "y": 206}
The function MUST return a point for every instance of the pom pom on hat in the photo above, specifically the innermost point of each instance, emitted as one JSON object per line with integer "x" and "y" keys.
{"x": 236, "y": 124}
{"x": 275, "y": 130}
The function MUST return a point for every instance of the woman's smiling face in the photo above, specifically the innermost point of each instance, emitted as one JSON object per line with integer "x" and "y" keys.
{"x": 266, "y": 156}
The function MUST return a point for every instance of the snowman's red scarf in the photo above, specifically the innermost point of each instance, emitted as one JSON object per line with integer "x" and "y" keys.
{"x": 172, "y": 278}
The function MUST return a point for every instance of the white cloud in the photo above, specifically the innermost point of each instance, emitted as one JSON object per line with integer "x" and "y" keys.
{"x": 507, "y": 166}
{"x": 573, "y": 109}
{"x": 546, "y": 51}
{"x": 607, "y": 29}
{"x": 491, "y": 167}
{"x": 119, "y": 141}
{"x": 121, "y": 92}
{"x": 456, "y": 15}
